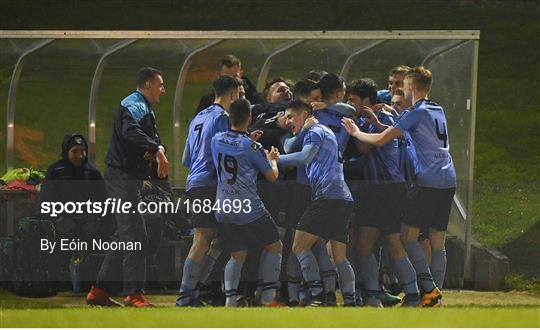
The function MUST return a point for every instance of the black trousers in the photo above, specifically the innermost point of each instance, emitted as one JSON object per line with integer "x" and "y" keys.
{"x": 130, "y": 227}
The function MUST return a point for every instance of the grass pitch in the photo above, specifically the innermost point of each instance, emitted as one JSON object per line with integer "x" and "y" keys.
{"x": 462, "y": 309}
{"x": 283, "y": 317}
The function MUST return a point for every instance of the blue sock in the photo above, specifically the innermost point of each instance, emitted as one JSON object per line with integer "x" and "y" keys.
{"x": 258, "y": 291}
{"x": 310, "y": 271}
{"x": 271, "y": 270}
{"x": 418, "y": 260}
{"x": 386, "y": 265}
{"x": 233, "y": 271}
{"x": 438, "y": 266}
{"x": 326, "y": 266}
{"x": 406, "y": 275}
{"x": 369, "y": 274}
{"x": 294, "y": 277}
{"x": 305, "y": 293}
{"x": 206, "y": 269}
{"x": 346, "y": 282}
{"x": 190, "y": 277}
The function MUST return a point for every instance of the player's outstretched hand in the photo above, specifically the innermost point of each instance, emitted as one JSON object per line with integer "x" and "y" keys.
{"x": 162, "y": 164}
{"x": 273, "y": 154}
{"x": 350, "y": 126}
{"x": 255, "y": 135}
{"x": 310, "y": 121}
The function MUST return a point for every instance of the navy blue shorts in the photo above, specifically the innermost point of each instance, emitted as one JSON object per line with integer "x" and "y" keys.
{"x": 260, "y": 232}
{"x": 381, "y": 207}
{"x": 429, "y": 208}
{"x": 327, "y": 218}
{"x": 202, "y": 219}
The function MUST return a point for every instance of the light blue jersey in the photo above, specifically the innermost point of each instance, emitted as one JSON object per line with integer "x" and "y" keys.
{"x": 238, "y": 160}
{"x": 382, "y": 163}
{"x": 407, "y": 156}
{"x": 331, "y": 118}
{"x": 325, "y": 171}
{"x": 202, "y": 128}
{"x": 427, "y": 126}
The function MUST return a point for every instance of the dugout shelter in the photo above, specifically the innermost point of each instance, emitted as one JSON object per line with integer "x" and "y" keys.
{"x": 54, "y": 82}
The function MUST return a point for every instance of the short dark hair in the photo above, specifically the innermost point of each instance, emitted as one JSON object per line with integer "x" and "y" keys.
{"x": 146, "y": 74}
{"x": 365, "y": 87}
{"x": 230, "y": 60}
{"x": 269, "y": 84}
{"x": 299, "y": 106}
{"x": 225, "y": 84}
{"x": 316, "y": 75}
{"x": 240, "y": 112}
{"x": 304, "y": 87}
{"x": 330, "y": 83}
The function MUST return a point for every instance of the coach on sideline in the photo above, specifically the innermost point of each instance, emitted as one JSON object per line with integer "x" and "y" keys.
{"x": 134, "y": 149}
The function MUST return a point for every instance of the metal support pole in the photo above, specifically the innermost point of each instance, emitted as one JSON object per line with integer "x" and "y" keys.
{"x": 94, "y": 89}
{"x": 442, "y": 50}
{"x": 468, "y": 232}
{"x": 12, "y": 96}
{"x": 261, "y": 80}
{"x": 350, "y": 60}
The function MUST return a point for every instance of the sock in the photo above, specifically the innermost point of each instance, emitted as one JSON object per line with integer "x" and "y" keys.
{"x": 233, "y": 271}
{"x": 305, "y": 293}
{"x": 438, "y": 266}
{"x": 310, "y": 271}
{"x": 418, "y": 260}
{"x": 206, "y": 269}
{"x": 369, "y": 273}
{"x": 271, "y": 269}
{"x": 209, "y": 260}
{"x": 190, "y": 278}
{"x": 326, "y": 267}
{"x": 346, "y": 282}
{"x": 294, "y": 277}
{"x": 358, "y": 292}
{"x": 260, "y": 274}
{"x": 406, "y": 275}
{"x": 386, "y": 265}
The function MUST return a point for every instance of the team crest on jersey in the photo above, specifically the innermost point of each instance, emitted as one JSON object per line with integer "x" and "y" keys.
{"x": 255, "y": 146}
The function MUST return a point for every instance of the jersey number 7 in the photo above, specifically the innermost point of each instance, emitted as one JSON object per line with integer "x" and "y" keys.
{"x": 198, "y": 129}
{"x": 231, "y": 166}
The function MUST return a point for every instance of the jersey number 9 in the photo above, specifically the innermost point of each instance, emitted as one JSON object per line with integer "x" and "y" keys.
{"x": 231, "y": 166}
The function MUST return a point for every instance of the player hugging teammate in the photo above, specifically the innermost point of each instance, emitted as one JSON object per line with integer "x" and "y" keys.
{"x": 394, "y": 178}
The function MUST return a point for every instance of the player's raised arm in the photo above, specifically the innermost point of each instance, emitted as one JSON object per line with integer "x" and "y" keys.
{"x": 377, "y": 139}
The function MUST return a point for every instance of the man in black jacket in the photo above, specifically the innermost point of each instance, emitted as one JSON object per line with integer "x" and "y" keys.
{"x": 134, "y": 146}
{"x": 231, "y": 66}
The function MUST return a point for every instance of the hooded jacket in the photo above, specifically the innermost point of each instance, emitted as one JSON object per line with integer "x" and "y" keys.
{"x": 65, "y": 182}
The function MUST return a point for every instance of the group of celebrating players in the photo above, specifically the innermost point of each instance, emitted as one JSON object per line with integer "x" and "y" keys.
{"x": 320, "y": 166}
